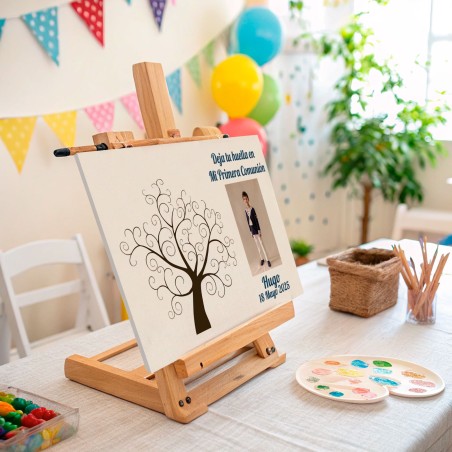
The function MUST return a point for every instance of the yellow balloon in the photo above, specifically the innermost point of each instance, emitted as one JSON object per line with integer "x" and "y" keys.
{"x": 237, "y": 84}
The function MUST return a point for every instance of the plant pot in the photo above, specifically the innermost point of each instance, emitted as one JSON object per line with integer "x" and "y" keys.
{"x": 301, "y": 260}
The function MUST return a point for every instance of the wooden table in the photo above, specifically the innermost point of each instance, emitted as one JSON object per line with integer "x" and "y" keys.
{"x": 272, "y": 411}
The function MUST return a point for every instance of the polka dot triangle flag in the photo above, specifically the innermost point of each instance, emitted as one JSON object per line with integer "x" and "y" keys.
{"x": 16, "y": 133}
{"x": 194, "y": 69}
{"x": 130, "y": 102}
{"x": 92, "y": 13}
{"x": 44, "y": 25}
{"x": 174, "y": 88}
{"x": 102, "y": 116}
{"x": 63, "y": 124}
{"x": 2, "y": 22}
{"x": 158, "y": 8}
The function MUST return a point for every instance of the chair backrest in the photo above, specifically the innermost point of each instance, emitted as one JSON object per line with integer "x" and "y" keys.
{"x": 91, "y": 312}
{"x": 421, "y": 221}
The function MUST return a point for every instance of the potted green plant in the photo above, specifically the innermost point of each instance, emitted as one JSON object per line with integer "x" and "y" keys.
{"x": 374, "y": 152}
{"x": 300, "y": 250}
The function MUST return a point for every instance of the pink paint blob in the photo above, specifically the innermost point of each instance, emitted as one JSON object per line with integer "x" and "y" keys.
{"x": 428, "y": 384}
{"x": 369, "y": 395}
{"x": 417, "y": 390}
{"x": 321, "y": 371}
{"x": 354, "y": 381}
{"x": 361, "y": 390}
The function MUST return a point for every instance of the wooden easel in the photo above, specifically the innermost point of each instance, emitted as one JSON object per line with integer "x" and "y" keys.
{"x": 249, "y": 345}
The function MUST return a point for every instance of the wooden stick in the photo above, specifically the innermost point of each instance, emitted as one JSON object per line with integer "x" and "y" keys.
{"x": 403, "y": 270}
{"x": 432, "y": 286}
{"x": 65, "y": 152}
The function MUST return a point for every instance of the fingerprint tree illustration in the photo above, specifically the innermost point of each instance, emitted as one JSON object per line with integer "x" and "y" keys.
{"x": 185, "y": 251}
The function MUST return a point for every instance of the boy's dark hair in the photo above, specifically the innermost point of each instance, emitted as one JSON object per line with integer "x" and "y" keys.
{"x": 245, "y": 194}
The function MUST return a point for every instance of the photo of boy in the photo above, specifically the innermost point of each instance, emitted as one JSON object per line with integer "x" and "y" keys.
{"x": 255, "y": 229}
{"x": 254, "y": 225}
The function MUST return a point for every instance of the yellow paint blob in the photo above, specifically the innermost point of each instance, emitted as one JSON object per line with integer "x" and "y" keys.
{"x": 350, "y": 372}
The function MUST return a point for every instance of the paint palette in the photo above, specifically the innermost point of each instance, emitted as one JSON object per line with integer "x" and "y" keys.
{"x": 367, "y": 379}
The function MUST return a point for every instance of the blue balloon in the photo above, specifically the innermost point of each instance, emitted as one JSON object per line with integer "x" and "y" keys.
{"x": 258, "y": 34}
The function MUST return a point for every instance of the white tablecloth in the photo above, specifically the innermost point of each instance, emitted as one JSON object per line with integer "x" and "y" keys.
{"x": 272, "y": 412}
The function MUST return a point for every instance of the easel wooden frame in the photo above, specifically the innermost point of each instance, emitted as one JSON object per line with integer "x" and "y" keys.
{"x": 249, "y": 344}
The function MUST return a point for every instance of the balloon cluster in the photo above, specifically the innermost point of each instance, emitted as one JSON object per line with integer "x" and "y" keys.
{"x": 249, "y": 97}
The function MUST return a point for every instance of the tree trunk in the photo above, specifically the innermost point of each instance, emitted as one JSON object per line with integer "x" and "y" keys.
{"x": 202, "y": 322}
{"x": 367, "y": 200}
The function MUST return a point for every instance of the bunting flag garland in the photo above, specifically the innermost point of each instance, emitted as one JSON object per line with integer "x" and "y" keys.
{"x": 158, "y": 8}
{"x": 194, "y": 69}
{"x": 92, "y": 13}
{"x": 209, "y": 53}
{"x": 63, "y": 125}
{"x": 174, "y": 88}
{"x": 102, "y": 116}
{"x": 130, "y": 102}
{"x": 44, "y": 25}
{"x": 16, "y": 133}
{"x": 2, "y": 22}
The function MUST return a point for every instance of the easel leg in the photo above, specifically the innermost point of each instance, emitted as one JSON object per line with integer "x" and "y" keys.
{"x": 176, "y": 402}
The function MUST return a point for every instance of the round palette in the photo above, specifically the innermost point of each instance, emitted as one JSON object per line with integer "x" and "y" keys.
{"x": 367, "y": 379}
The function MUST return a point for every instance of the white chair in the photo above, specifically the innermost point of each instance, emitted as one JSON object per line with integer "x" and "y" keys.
{"x": 91, "y": 312}
{"x": 421, "y": 221}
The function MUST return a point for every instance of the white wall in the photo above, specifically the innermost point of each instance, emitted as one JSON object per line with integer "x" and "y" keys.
{"x": 47, "y": 199}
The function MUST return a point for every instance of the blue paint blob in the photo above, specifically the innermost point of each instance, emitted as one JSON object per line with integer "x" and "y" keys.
{"x": 359, "y": 363}
{"x": 378, "y": 370}
{"x": 384, "y": 381}
{"x": 336, "y": 393}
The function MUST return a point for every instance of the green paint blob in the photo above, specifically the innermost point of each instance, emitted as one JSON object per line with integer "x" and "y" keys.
{"x": 382, "y": 364}
{"x": 322, "y": 387}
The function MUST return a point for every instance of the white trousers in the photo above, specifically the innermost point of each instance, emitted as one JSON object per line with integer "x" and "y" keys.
{"x": 260, "y": 247}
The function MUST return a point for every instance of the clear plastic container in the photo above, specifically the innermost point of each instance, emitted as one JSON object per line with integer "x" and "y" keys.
{"x": 43, "y": 435}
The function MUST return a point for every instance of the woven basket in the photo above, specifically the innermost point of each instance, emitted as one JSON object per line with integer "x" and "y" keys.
{"x": 364, "y": 282}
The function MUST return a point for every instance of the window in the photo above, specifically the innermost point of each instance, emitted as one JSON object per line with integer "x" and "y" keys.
{"x": 417, "y": 31}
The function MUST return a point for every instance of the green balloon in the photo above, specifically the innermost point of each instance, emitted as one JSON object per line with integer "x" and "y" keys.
{"x": 268, "y": 103}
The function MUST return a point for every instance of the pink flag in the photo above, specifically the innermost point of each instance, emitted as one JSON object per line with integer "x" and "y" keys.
{"x": 102, "y": 116}
{"x": 130, "y": 101}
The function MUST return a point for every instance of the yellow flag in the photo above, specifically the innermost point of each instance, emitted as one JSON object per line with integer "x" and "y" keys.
{"x": 63, "y": 124}
{"x": 16, "y": 134}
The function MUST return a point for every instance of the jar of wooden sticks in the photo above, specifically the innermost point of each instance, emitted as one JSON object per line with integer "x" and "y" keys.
{"x": 421, "y": 295}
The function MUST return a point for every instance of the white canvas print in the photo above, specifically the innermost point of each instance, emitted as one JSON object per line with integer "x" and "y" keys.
{"x": 195, "y": 238}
